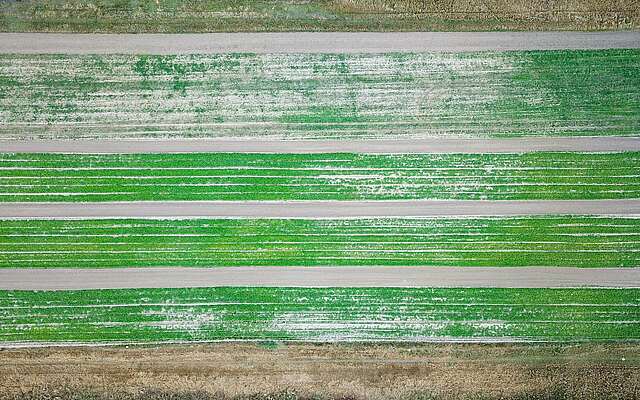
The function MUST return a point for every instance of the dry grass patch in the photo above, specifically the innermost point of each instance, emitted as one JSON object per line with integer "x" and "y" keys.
{"x": 315, "y": 15}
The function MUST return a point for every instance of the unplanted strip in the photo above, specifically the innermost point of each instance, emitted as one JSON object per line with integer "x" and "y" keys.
{"x": 307, "y": 42}
{"x": 149, "y": 277}
{"x": 439, "y": 145}
{"x": 316, "y": 209}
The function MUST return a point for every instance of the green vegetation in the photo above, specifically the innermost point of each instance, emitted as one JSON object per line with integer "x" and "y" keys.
{"x": 37, "y": 177}
{"x": 318, "y": 314}
{"x": 313, "y": 15}
{"x": 321, "y": 96}
{"x": 555, "y": 241}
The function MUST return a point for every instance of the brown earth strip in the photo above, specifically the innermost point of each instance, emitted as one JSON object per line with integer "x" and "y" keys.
{"x": 359, "y": 371}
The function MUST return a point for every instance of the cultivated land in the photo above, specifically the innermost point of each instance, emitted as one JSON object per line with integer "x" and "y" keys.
{"x": 316, "y": 15}
{"x": 553, "y": 241}
{"x": 328, "y": 371}
{"x": 353, "y": 94}
{"x": 336, "y": 176}
{"x": 321, "y": 96}
{"x": 318, "y": 314}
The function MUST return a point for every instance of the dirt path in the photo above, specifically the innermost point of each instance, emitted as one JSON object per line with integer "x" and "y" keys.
{"x": 508, "y": 277}
{"x": 310, "y": 42}
{"x": 318, "y": 209}
{"x": 435, "y": 145}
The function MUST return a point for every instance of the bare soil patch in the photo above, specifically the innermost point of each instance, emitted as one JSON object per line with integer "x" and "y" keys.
{"x": 301, "y": 371}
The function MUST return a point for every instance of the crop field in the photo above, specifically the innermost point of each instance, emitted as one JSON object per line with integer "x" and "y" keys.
{"x": 554, "y": 241}
{"x": 314, "y": 15}
{"x": 445, "y": 204}
{"x": 314, "y": 314}
{"x": 321, "y": 96}
{"x": 38, "y": 177}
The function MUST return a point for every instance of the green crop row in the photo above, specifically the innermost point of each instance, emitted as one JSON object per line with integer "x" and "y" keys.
{"x": 556, "y": 241}
{"x": 321, "y": 96}
{"x": 319, "y": 314}
{"x": 233, "y": 176}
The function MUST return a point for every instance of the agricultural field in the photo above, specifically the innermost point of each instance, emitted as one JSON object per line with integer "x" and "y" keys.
{"x": 321, "y": 96}
{"x": 292, "y": 216}
{"x": 551, "y": 241}
{"x": 314, "y": 15}
{"x": 38, "y": 177}
{"x": 319, "y": 314}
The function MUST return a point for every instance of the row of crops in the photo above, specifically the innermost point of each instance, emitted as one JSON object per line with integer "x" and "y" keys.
{"x": 556, "y": 241}
{"x": 319, "y": 314}
{"x": 321, "y": 96}
{"x": 335, "y": 176}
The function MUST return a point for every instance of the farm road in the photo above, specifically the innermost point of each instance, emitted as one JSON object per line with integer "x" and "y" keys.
{"x": 434, "y": 145}
{"x": 310, "y": 42}
{"x": 317, "y": 209}
{"x": 529, "y": 277}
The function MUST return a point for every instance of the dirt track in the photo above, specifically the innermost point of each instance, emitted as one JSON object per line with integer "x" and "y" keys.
{"x": 310, "y": 42}
{"x": 529, "y": 277}
{"x": 318, "y": 209}
{"x": 436, "y": 145}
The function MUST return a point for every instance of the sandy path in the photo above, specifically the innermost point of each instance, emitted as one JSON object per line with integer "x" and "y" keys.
{"x": 318, "y": 209}
{"x": 310, "y": 42}
{"x": 508, "y": 277}
{"x": 435, "y": 145}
